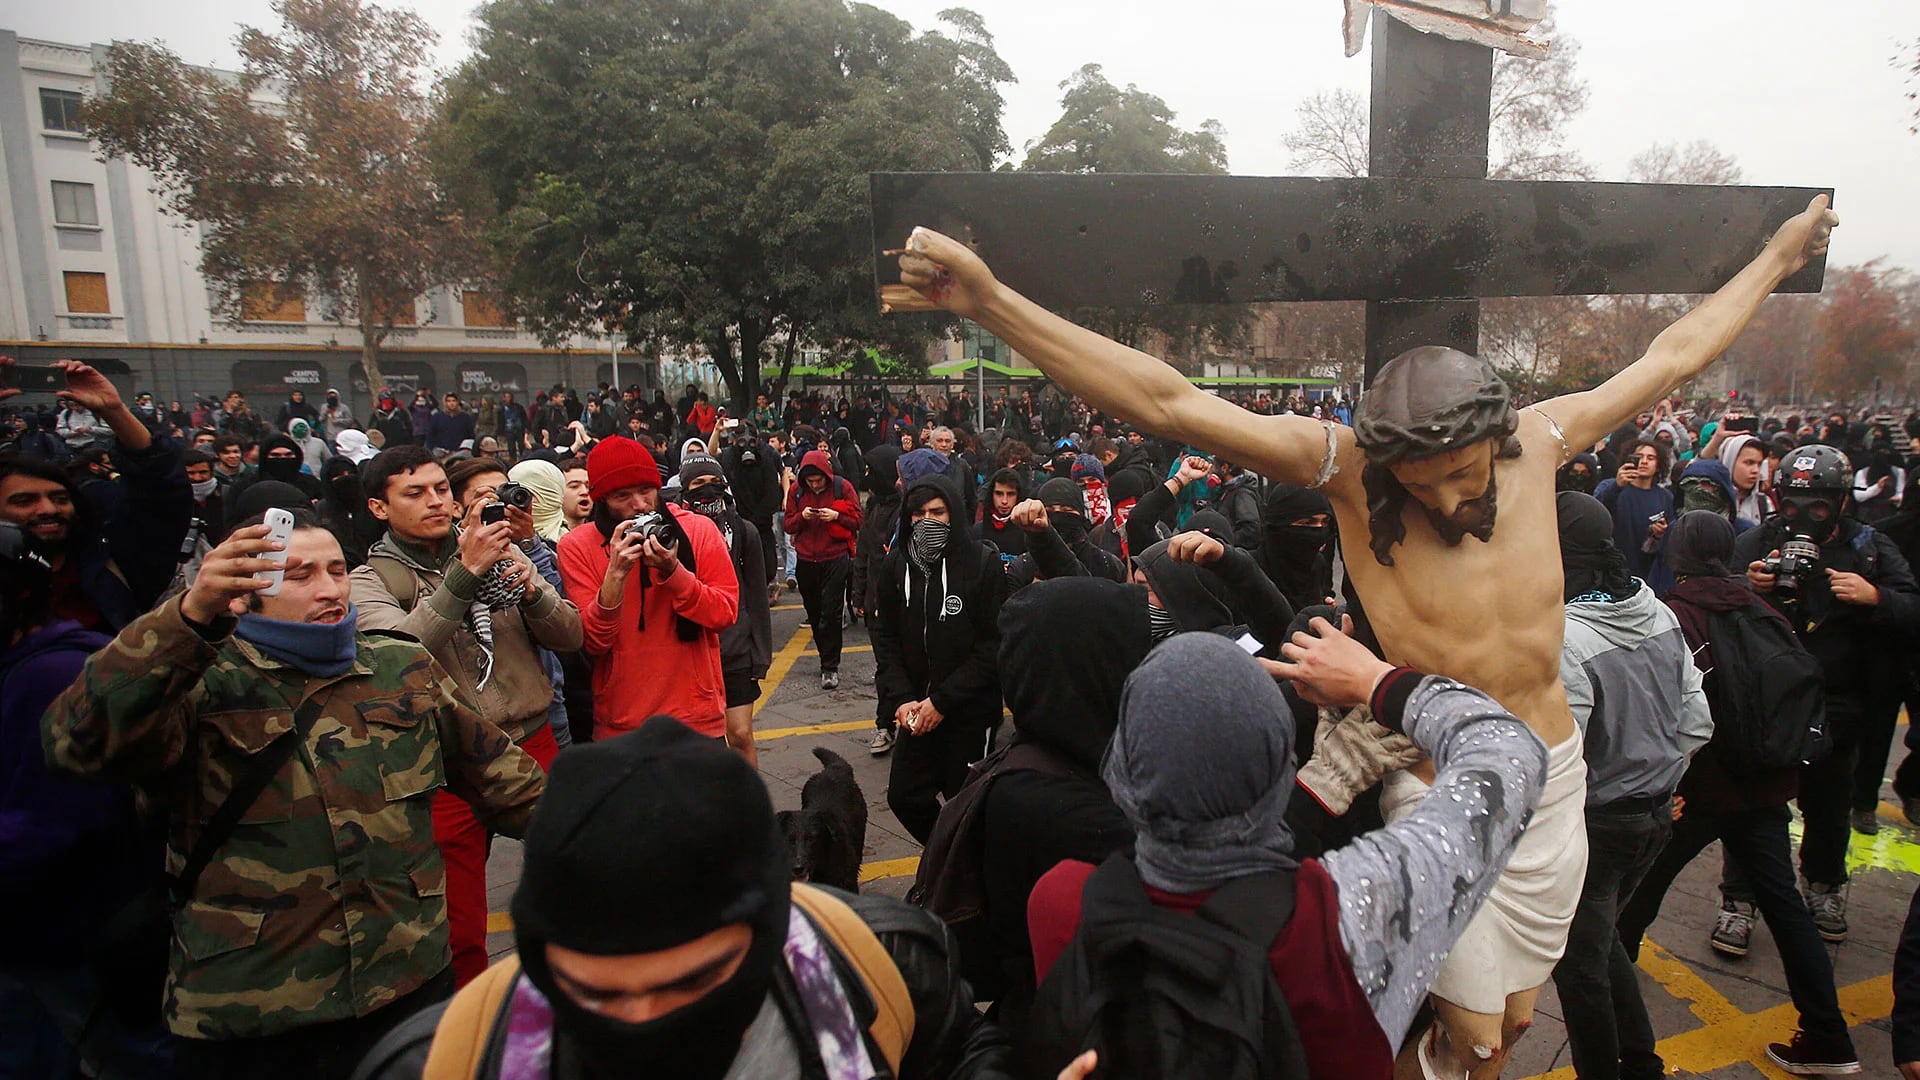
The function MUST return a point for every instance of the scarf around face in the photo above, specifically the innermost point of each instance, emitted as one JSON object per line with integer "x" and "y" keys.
{"x": 321, "y": 650}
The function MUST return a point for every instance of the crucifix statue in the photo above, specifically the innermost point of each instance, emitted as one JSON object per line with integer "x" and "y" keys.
{"x": 1436, "y": 448}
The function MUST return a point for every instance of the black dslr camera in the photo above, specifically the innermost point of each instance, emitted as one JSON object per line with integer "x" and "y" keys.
{"x": 515, "y": 495}
{"x": 1798, "y": 557}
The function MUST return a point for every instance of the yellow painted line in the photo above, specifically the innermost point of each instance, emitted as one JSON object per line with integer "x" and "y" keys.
{"x": 1710, "y": 1005}
{"x": 1744, "y": 1038}
{"x": 783, "y": 661}
{"x": 787, "y": 607}
{"x": 874, "y": 871}
{"x": 811, "y": 729}
{"x": 499, "y": 922}
{"x": 1893, "y": 813}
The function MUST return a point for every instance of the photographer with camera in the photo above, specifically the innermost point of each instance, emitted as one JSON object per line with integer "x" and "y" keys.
{"x": 656, "y": 588}
{"x": 1852, "y": 601}
{"x": 753, "y": 471}
{"x": 472, "y": 596}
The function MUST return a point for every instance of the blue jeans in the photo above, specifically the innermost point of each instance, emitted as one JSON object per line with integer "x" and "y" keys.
{"x": 1756, "y": 843}
{"x": 52, "y": 1018}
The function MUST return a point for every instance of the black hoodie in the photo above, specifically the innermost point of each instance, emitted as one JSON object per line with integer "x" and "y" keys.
{"x": 935, "y": 635}
{"x": 1011, "y": 539}
{"x": 1230, "y": 596}
{"x": 1066, "y": 648}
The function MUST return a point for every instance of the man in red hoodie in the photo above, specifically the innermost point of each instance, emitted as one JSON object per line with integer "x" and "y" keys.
{"x": 652, "y": 609}
{"x": 823, "y": 517}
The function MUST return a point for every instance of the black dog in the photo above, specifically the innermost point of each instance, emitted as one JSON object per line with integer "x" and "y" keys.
{"x": 827, "y": 835}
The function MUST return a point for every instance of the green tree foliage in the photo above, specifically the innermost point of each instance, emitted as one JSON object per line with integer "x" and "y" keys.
{"x": 694, "y": 172}
{"x": 308, "y": 172}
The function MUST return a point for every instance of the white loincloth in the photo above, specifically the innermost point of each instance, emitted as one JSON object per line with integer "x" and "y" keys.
{"x": 1514, "y": 940}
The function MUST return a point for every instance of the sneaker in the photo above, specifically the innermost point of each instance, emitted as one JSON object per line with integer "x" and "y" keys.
{"x": 829, "y": 680}
{"x": 881, "y": 743}
{"x": 1733, "y": 930}
{"x": 1828, "y": 906}
{"x": 792, "y": 584}
{"x": 1866, "y": 822}
{"x": 1800, "y": 1059}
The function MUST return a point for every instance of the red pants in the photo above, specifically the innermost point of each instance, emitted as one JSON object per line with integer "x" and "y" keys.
{"x": 464, "y": 843}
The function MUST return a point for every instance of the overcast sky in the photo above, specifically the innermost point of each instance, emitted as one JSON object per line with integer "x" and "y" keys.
{"x": 1796, "y": 95}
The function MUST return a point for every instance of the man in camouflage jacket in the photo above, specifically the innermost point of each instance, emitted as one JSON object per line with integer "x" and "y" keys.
{"x": 320, "y": 922}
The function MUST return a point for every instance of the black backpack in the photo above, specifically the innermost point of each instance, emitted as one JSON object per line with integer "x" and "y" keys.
{"x": 1166, "y": 994}
{"x": 1772, "y": 698}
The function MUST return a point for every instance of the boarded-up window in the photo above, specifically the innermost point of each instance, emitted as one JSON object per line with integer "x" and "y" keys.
{"x": 268, "y": 301}
{"x": 87, "y": 293}
{"x": 482, "y": 309}
{"x": 402, "y": 313}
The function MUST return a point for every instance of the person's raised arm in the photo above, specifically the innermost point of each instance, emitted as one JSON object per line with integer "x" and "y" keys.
{"x": 1124, "y": 382}
{"x": 1686, "y": 348}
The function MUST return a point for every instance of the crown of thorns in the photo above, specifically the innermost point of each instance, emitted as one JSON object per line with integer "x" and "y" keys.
{"x": 1430, "y": 401}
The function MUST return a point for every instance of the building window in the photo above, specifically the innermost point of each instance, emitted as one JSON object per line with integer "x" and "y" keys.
{"x": 87, "y": 293}
{"x": 73, "y": 204}
{"x": 60, "y": 110}
{"x": 482, "y": 309}
{"x": 268, "y": 301}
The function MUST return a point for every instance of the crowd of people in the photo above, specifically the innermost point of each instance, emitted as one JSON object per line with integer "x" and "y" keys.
{"x": 268, "y": 688}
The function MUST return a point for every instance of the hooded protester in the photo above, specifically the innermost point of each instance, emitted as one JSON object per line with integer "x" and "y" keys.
{"x": 611, "y": 895}
{"x": 313, "y": 449}
{"x": 935, "y": 636}
{"x": 1061, "y": 544}
{"x": 1745, "y": 457}
{"x": 1728, "y": 798}
{"x": 1199, "y": 581}
{"x": 1705, "y": 484}
{"x": 847, "y": 460}
{"x": 754, "y": 472}
{"x": 354, "y": 446}
{"x": 344, "y": 511}
{"x": 823, "y": 517}
{"x": 1201, "y": 765}
{"x": 746, "y": 648}
{"x": 1636, "y": 695}
{"x": 1581, "y": 474}
{"x": 1092, "y": 478}
{"x": 393, "y": 421}
{"x": 1005, "y": 490}
{"x": 1125, "y": 491}
{"x": 1297, "y": 538}
{"x": 549, "y": 487}
{"x": 280, "y": 460}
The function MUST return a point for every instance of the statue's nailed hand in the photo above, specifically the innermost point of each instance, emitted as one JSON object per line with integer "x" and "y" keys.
{"x": 938, "y": 272}
{"x": 1806, "y": 236}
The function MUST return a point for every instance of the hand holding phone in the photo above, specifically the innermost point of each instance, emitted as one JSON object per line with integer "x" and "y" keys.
{"x": 279, "y": 529}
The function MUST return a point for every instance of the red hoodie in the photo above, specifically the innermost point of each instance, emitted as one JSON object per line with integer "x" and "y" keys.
{"x": 822, "y": 541}
{"x": 643, "y": 667}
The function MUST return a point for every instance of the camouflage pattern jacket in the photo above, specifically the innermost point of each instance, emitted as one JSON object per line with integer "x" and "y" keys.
{"x": 328, "y": 899}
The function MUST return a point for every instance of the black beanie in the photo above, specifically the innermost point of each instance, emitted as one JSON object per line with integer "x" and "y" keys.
{"x": 647, "y": 841}
{"x": 1060, "y": 491}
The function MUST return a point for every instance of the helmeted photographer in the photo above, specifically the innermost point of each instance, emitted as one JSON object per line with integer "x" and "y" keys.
{"x": 753, "y": 470}
{"x": 1851, "y": 598}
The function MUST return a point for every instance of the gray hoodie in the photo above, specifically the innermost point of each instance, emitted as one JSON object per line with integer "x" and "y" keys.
{"x": 1636, "y": 694}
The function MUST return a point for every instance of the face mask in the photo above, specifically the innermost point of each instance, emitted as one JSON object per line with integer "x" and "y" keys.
{"x": 1702, "y": 495}
{"x": 204, "y": 488}
{"x": 1071, "y": 527}
{"x": 928, "y": 541}
{"x": 1160, "y": 624}
{"x": 709, "y": 501}
{"x": 1816, "y": 515}
{"x": 280, "y": 468}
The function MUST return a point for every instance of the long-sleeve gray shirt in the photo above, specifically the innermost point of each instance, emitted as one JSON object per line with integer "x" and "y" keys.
{"x": 1407, "y": 891}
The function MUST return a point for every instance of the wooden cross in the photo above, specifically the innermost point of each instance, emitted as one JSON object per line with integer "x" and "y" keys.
{"x": 1422, "y": 240}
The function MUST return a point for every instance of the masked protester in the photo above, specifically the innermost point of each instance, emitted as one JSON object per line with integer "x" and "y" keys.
{"x": 1581, "y": 474}
{"x": 1059, "y": 542}
{"x": 1297, "y": 537}
{"x": 654, "y": 862}
{"x": 1852, "y": 604}
{"x": 746, "y": 648}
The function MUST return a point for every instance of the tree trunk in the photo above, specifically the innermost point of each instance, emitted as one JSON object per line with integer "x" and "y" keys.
{"x": 751, "y": 339}
{"x": 370, "y": 338}
{"x": 786, "y": 364}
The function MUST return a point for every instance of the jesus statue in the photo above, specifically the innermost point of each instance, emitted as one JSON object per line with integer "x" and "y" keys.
{"x": 1437, "y": 453}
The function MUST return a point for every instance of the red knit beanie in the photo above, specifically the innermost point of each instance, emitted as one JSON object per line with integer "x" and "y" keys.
{"x": 615, "y": 464}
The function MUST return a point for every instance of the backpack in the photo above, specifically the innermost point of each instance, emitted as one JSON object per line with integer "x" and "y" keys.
{"x": 469, "y": 1039}
{"x": 1166, "y": 994}
{"x": 1772, "y": 694}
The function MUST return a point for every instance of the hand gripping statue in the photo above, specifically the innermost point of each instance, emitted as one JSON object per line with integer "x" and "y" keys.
{"x": 1436, "y": 449}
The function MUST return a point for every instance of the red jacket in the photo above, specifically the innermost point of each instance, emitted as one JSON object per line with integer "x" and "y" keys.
{"x": 815, "y": 540}
{"x": 1341, "y": 1038}
{"x": 701, "y": 418}
{"x": 644, "y": 668}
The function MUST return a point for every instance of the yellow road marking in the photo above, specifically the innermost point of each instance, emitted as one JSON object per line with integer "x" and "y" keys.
{"x": 810, "y": 729}
{"x": 499, "y": 922}
{"x": 783, "y": 660}
{"x": 874, "y": 871}
{"x": 1710, "y": 1005}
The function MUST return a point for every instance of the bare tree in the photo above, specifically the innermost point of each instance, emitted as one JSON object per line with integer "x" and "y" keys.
{"x": 1331, "y": 136}
{"x": 1698, "y": 162}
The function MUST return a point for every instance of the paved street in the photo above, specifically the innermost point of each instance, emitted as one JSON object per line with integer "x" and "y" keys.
{"x": 1714, "y": 1015}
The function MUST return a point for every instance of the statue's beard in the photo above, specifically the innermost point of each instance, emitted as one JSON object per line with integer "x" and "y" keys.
{"x": 1472, "y": 518}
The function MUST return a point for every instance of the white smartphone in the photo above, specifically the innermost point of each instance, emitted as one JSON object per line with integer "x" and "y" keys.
{"x": 280, "y": 527}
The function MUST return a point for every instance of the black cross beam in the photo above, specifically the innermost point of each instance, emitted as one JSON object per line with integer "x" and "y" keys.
{"x": 1423, "y": 240}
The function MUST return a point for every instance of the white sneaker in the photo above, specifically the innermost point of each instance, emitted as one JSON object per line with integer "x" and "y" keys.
{"x": 829, "y": 680}
{"x": 881, "y": 743}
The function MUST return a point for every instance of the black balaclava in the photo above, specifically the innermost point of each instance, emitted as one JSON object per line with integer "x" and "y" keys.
{"x": 711, "y": 501}
{"x": 1067, "y": 646}
{"x": 1061, "y": 491}
{"x": 282, "y": 470}
{"x": 1587, "y": 553}
{"x": 1701, "y": 545}
{"x": 1292, "y": 555}
{"x": 642, "y": 843}
{"x": 1583, "y": 479}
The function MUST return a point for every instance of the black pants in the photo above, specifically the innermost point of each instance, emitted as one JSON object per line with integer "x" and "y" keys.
{"x": 1906, "y": 779}
{"x": 1756, "y": 843}
{"x": 328, "y": 1051}
{"x": 1875, "y": 746}
{"x": 578, "y": 695}
{"x": 823, "y": 589}
{"x": 1825, "y": 801}
{"x": 929, "y": 767}
{"x": 1599, "y": 991}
